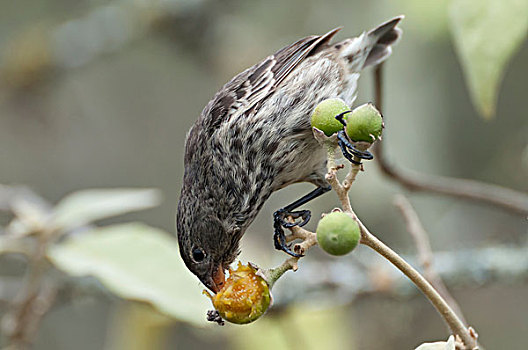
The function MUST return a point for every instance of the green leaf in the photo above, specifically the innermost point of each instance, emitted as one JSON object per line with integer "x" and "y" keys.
{"x": 83, "y": 207}
{"x": 487, "y": 33}
{"x": 136, "y": 262}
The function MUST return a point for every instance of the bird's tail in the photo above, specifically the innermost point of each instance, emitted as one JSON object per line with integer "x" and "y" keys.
{"x": 372, "y": 47}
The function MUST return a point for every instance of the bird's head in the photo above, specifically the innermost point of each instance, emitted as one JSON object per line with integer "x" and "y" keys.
{"x": 207, "y": 245}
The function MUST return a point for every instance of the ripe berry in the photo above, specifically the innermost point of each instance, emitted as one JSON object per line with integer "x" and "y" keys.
{"x": 244, "y": 297}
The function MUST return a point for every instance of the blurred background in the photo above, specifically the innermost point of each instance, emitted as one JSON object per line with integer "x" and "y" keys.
{"x": 100, "y": 94}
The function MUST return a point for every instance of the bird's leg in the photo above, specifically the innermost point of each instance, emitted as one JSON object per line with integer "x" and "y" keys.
{"x": 280, "y": 215}
{"x": 347, "y": 148}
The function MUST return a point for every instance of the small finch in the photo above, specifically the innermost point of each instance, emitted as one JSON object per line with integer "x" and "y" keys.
{"x": 254, "y": 138}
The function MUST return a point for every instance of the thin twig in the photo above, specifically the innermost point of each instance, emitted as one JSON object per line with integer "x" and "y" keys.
{"x": 378, "y": 89}
{"x": 461, "y": 188}
{"x": 425, "y": 253}
{"x": 308, "y": 240}
{"x": 416, "y": 230}
{"x": 32, "y": 302}
{"x": 342, "y": 189}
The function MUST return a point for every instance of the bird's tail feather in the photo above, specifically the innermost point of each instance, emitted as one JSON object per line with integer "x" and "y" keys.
{"x": 372, "y": 47}
{"x": 383, "y": 37}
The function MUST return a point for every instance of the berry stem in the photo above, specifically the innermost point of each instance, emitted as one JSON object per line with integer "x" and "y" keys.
{"x": 308, "y": 240}
{"x": 272, "y": 275}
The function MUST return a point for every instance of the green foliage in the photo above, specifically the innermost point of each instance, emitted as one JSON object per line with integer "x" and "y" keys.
{"x": 486, "y": 34}
{"x": 135, "y": 262}
{"x": 84, "y": 207}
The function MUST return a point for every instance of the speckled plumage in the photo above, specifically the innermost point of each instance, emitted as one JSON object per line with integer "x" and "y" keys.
{"x": 254, "y": 138}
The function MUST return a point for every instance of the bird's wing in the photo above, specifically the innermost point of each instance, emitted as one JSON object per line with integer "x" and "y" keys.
{"x": 246, "y": 91}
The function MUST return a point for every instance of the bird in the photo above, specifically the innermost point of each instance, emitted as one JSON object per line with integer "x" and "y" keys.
{"x": 254, "y": 138}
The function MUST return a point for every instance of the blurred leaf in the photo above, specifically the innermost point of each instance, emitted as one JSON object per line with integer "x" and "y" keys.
{"x": 11, "y": 245}
{"x": 441, "y": 345}
{"x": 83, "y": 207}
{"x": 31, "y": 211}
{"x": 487, "y": 33}
{"x": 137, "y": 326}
{"x": 136, "y": 262}
{"x": 28, "y": 59}
{"x": 30, "y": 216}
{"x": 298, "y": 327}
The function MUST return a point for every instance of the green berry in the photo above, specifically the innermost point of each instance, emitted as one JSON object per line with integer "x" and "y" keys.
{"x": 323, "y": 116}
{"x": 364, "y": 123}
{"x": 338, "y": 233}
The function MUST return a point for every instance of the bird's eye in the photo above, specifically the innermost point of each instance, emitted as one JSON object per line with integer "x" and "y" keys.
{"x": 198, "y": 254}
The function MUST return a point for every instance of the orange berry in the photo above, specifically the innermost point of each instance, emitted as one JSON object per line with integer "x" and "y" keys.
{"x": 244, "y": 298}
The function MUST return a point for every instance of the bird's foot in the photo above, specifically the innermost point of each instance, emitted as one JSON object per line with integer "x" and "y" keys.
{"x": 279, "y": 221}
{"x": 347, "y": 148}
{"x": 214, "y": 316}
{"x": 282, "y": 215}
{"x": 349, "y": 151}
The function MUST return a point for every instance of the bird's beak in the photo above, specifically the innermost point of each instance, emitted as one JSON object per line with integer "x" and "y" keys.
{"x": 216, "y": 280}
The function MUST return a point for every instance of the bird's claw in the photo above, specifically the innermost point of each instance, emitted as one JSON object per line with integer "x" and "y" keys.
{"x": 281, "y": 215}
{"x": 347, "y": 148}
{"x": 349, "y": 151}
{"x": 340, "y": 117}
{"x": 279, "y": 238}
{"x": 214, "y": 316}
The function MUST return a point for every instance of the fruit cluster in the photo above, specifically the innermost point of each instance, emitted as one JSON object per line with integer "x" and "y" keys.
{"x": 364, "y": 123}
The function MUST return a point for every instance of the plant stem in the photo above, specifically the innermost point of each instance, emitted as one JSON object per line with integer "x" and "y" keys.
{"x": 272, "y": 275}
{"x": 425, "y": 253}
{"x": 33, "y": 300}
{"x": 308, "y": 240}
